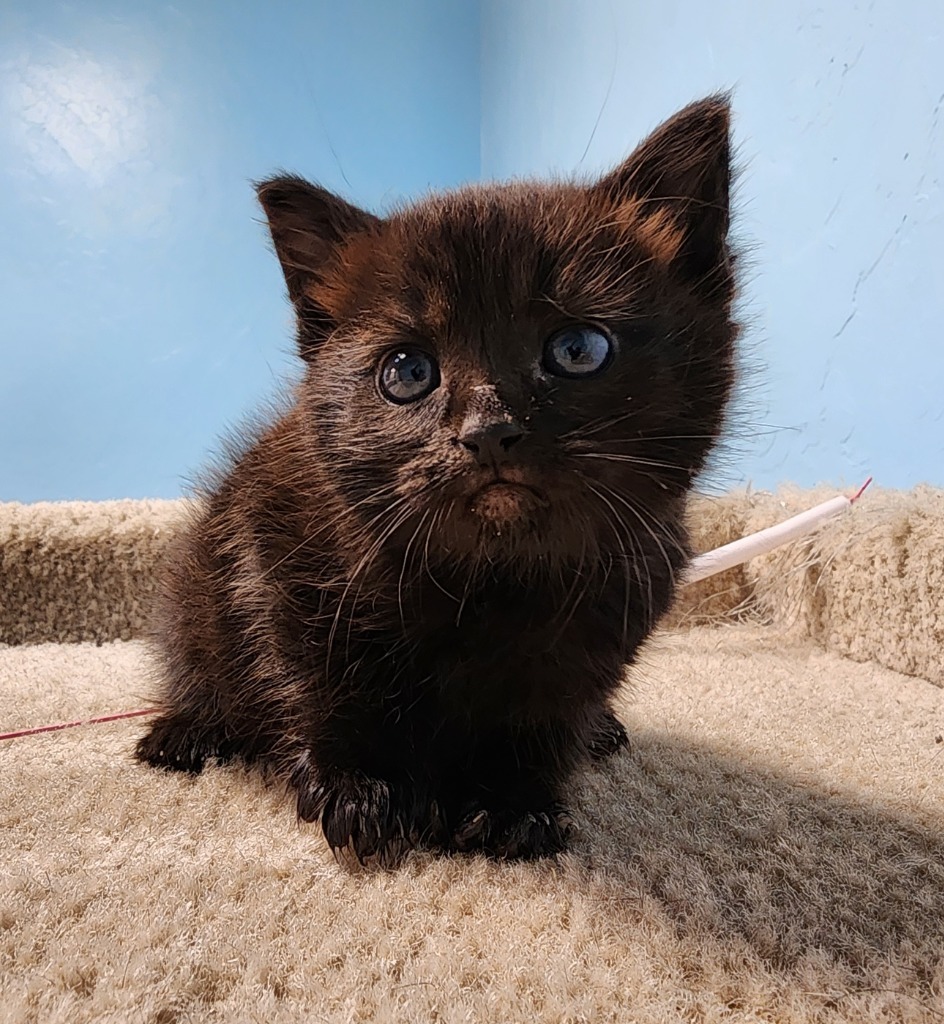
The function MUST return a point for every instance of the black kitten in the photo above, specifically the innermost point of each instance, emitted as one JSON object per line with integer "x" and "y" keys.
{"x": 414, "y": 594}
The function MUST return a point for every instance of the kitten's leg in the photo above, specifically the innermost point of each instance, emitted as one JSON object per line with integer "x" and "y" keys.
{"x": 513, "y": 810}
{"x": 524, "y": 818}
{"x": 608, "y": 736}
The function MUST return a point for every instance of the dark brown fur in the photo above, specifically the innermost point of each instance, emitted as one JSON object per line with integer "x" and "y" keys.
{"x": 423, "y": 656}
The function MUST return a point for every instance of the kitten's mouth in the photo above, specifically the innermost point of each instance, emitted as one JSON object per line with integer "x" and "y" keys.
{"x": 503, "y": 502}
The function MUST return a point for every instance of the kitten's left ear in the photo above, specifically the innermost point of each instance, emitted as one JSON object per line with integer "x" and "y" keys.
{"x": 684, "y": 167}
{"x": 309, "y": 227}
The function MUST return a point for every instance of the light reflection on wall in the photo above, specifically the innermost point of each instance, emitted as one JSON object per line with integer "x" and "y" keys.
{"x": 94, "y": 134}
{"x": 142, "y": 312}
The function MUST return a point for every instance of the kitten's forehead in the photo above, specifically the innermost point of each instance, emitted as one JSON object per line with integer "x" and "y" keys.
{"x": 487, "y": 213}
{"x": 486, "y": 247}
{"x": 486, "y": 255}
{"x": 493, "y": 265}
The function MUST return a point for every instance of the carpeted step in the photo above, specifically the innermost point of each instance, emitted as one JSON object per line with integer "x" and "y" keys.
{"x": 869, "y": 585}
{"x": 769, "y": 848}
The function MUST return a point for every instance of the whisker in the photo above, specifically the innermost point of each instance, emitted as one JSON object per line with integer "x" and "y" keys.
{"x": 595, "y": 426}
{"x": 403, "y": 567}
{"x": 345, "y": 513}
{"x": 638, "y": 513}
{"x": 619, "y": 541}
{"x": 435, "y": 522}
{"x": 633, "y": 459}
{"x": 365, "y": 560}
{"x": 578, "y": 576}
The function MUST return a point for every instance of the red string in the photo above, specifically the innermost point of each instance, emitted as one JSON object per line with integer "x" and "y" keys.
{"x": 858, "y": 494}
{"x": 71, "y": 725}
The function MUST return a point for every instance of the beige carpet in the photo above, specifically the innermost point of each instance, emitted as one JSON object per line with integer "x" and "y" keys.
{"x": 770, "y": 849}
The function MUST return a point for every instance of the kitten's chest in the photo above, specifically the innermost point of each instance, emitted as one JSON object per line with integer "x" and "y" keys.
{"x": 516, "y": 649}
{"x": 499, "y": 614}
{"x": 493, "y": 648}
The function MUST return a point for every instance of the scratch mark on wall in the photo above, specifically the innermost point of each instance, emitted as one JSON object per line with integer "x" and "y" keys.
{"x": 855, "y": 60}
{"x": 935, "y": 117}
{"x": 845, "y": 324}
{"x": 829, "y": 216}
{"x": 866, "y": 274}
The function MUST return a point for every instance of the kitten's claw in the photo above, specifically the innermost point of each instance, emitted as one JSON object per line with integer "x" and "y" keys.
{"x": 608, "y": 737}
{"x": 514, "y": 835}
{"x": 471, "y": 833}
{"x": 363, "y": 818}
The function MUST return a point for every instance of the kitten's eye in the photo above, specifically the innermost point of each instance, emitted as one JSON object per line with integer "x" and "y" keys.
{"x": 407, "y": 375}
{"x": 577, "y": 352}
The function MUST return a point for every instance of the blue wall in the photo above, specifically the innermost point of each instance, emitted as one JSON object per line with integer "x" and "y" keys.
{"x": 141, "y": 309}
{"x": 840, "y": 119}
{"x": 142, "y": 312}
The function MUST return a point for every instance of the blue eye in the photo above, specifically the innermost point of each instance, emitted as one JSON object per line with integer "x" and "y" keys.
{"x": 577, "y": 352}
{"x": 407, "y": 376}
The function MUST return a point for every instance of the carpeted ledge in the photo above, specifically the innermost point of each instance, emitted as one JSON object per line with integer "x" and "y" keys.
{"x": 771, "y": 848}
{"x": 868, "y": 585}
{"x": 81, "y": 570}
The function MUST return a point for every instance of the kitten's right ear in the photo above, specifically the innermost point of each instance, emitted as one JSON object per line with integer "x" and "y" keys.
{"x": 684, "y": 168}
{"x": 309, "y": 225}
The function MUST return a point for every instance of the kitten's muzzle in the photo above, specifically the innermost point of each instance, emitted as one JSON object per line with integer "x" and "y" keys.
{"x": 490, "y": 443}
{"x": 504, "y": 502}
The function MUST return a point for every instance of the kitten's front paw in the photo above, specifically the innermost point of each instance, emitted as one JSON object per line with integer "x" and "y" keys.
{"x": 514, "y": 835}
{"x": 369, "y": 819}
{"x": 180, "y": 745}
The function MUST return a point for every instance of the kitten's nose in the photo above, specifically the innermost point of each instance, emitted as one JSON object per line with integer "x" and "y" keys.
{"x": 490, "y": 443}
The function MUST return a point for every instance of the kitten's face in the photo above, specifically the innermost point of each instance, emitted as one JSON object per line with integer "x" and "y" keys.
{"x": 521, "y": 371}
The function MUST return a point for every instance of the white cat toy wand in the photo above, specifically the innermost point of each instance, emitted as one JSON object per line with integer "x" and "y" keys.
{"x": 700, "y": 568}
{"x": 760, "y": 543}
